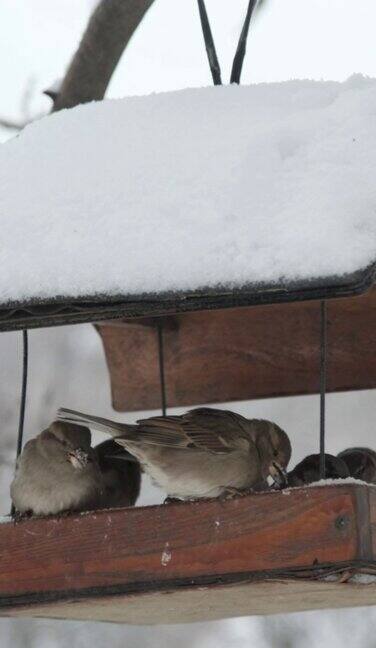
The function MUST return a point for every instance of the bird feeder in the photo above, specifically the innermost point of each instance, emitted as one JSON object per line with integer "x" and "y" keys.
{"x": 300, "y": 549}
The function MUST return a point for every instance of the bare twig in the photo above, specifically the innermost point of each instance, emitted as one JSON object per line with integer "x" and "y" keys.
{"x": 12, "y": 124}
{"x": 109, "y": 31}
{"x": 26, "y": 99}
{"x": 25, "y": 110}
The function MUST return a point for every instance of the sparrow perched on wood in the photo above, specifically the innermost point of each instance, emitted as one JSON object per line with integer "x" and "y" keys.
{"x": 361, "y": 463}
{"x": 121, "y": 475}
{"x": 203, "y": 453}
{"x": 57, "y": 471}
{"x": 308, "y": 470}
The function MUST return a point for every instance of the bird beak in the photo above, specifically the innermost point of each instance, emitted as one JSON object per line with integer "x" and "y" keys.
{"x": 278, "y": 473}
{"x": 78, "y": 458}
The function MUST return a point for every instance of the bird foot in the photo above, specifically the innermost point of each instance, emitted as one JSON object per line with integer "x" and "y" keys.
{"x": 67, "y": 513}
{"x": 345, "y": 577}
{"x": 17, "y": 516}
{"x": 231, "y": 492}
{"x": 172, "y": 500}
{"x": 28, "y": 515}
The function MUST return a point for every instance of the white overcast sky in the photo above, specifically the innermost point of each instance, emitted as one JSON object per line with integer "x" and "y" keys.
{"x": 319, "y": 39}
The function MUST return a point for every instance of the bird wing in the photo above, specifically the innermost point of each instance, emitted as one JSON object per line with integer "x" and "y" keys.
{"x": 216, "y": 431}
{"x": 162, "y": 431}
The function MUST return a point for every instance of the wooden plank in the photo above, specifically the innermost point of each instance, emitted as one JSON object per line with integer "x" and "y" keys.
{"x": 372, "y": 517}
{"x": 236, "y": 354}
{"x": 207, "y": 603}
{"x": 161, "y": 547}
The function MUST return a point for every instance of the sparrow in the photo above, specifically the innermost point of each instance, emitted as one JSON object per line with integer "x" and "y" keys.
{"x": 361, "y": 463}
{"x": 308, "y": 470}
{"x": 203, "y": 453}
{"x": 121, "y": 475}
{"x": 56, "y": 472}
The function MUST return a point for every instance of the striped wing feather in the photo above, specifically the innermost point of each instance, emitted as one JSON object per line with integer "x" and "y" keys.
{"x": 216, "y": 431}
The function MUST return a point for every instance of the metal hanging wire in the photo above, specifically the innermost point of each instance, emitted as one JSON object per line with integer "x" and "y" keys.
{"x": 162, "y": 368}
{"x": 323, "y": 371}
{"x": 209, "y": 44}
{"x": 241, "y": 49}
{"x": 21, "y": 419}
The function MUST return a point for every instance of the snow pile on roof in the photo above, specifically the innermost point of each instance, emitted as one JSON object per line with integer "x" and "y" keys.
{"x": 198, "y": 188}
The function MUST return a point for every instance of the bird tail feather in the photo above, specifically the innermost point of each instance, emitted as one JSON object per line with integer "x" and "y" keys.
{"x": 96, "y": 422}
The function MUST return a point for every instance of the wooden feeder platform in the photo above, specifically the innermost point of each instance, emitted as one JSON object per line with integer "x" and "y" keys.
{"x": 260, "y": 554}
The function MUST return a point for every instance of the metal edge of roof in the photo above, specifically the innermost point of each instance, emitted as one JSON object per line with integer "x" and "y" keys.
{"x": 61, "y": 311}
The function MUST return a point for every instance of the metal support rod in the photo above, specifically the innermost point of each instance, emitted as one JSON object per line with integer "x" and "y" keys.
{"x": 323, "y": 367}
{"x": 161, "y": 368}
{"x": 237, "y": 65}
{"x": 21, "y": 419}
{"x": 209, "y": 44}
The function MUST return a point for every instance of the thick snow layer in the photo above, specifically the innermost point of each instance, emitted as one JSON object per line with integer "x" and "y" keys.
{"x": 189, "y": 189}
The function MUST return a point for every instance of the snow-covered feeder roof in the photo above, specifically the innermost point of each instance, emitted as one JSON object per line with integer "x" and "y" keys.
{"x": 228, "y": 193}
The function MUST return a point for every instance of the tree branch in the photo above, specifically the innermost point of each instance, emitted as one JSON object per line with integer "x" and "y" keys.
{"x": 109, "y": 31}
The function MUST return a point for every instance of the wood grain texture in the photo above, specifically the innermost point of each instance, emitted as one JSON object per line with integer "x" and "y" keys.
{"x": 236, "y": 354}
{"x": 153, "y": 548}
{"x": 372, "y": 517}
{"x": 207, "y": 603}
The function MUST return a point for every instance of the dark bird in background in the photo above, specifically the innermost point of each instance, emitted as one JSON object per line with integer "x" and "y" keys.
{"x": 308, "y": 470}
{"x": 121, "y": 475}
{"x": 203, "y": 453}
{"x": 57, "y": 471}
{"x": 361, "y": 463}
